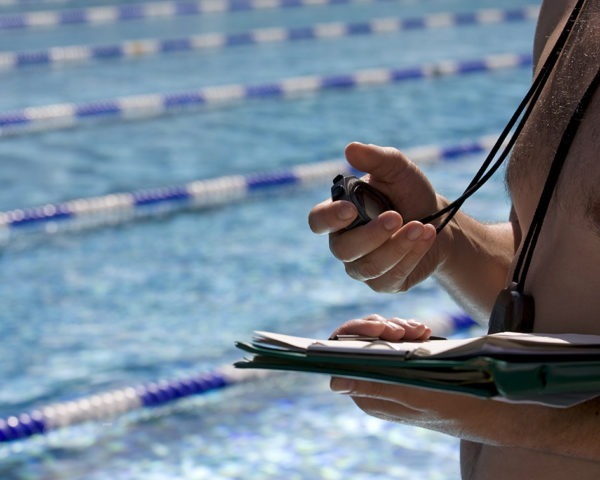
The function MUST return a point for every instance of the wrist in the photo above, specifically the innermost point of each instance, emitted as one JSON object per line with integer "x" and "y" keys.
{"x": 446, "y": 236}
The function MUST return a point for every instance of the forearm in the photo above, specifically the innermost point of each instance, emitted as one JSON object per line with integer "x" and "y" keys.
{"x": 476, "y": 262}
{"x": 568, "y": 432}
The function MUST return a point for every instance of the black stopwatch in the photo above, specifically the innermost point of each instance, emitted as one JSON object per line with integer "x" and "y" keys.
{"x": 369, "y": 201}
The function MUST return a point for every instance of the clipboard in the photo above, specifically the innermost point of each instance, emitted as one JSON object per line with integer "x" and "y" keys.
{"x": 555, "y": 370}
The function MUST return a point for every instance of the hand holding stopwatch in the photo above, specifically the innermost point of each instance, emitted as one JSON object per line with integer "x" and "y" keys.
{"x": 369, "y": 201}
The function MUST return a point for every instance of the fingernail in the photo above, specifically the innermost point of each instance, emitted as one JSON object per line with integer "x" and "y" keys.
{"x": 414, "y": 323}
{"x": 428, "y": 233}
{"x": 415, "y": 231}
{"x": 391, "y": 223}
{"x": 346, "y": 212}
{"x": 343, "y": 386}
{"x": 394, "y": 326}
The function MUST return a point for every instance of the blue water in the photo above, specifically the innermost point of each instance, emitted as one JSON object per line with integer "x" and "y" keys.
{"x": 86, "y": 312}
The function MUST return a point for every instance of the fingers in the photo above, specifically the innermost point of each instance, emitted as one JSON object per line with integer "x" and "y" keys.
{"x": 413, "y": 266}
{"x": 383, "y": 163}
{"x": 392, "y": 330}
{"x": 384, "y": 253}
{"x": 366, "y": 389}
{"x": 386, "y": 265}
{"x": 390, "y": 171}
{"x": 329, "y": 217}
{"x": 373, "y": 326}
{"x": 413, "y": 330}
{"x": 360, "y": 241}
{"x": 398, "y": 403}
{"x": 403, "y": 402}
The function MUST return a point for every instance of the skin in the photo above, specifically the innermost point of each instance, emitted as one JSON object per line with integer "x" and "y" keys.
{"x": 474, "y": 261}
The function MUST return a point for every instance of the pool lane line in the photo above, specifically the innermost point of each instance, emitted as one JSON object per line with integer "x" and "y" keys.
{"x": 61, "y": 56}
{"x": 153, "y": 10}
{"x": 119, "y": 208}
{"x": 111, "y": 404}
{"x": 26, "y": 3}
{"x": 139, "y": 107}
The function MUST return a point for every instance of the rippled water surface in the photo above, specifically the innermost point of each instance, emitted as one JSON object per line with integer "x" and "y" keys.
{"x": 90, "y": 311}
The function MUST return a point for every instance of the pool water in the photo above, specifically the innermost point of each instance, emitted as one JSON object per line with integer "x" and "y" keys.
{"x": 91, "y": 311}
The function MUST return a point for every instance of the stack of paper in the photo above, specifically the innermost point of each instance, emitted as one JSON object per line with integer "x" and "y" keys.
{"x": 556, "y": 370}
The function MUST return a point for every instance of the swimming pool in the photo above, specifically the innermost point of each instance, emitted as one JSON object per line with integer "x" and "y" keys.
{"x": 98, "y": 309}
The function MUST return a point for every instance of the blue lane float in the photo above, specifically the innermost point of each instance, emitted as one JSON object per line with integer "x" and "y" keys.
{"x": 57, "y": 116}
{"x": 114, "y": 403}
{"x": 151, "y": 10}
{"x": 119, "y": 208}
{"x": 137, "y": 48}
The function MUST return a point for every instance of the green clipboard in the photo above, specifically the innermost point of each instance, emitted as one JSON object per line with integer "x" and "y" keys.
{"x": 555, "y": 382}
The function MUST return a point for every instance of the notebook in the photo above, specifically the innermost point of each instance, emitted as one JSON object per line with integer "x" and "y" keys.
{"x": 557, "y": 370}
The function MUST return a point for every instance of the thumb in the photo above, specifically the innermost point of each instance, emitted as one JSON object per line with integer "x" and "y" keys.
{"x": 384, "y": 164}
{"x": 362, "y": 388}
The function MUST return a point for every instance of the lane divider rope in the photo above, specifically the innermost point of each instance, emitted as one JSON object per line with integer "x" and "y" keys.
{"x": 108, "y": 405}
{"x": 151, "y": 10}
{"x": 107, "y": 210}
{"x": 136, "y": 48}
{"x": 137, "y": 107}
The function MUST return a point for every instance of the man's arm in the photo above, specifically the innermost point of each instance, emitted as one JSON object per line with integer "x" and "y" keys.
{"x": 569, "y": 432}
{"x": 478, "y": 261}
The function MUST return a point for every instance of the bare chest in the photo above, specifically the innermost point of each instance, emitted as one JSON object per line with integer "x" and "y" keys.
{"x": 577, "y": 189}
{"x": 563, "y": 277}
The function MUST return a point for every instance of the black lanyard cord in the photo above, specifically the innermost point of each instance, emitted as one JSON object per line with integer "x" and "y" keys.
{"x": 533, "y": 233}
{"x": 523, "y": 110}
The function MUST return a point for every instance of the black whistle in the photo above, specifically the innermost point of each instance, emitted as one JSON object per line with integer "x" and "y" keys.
{"x": 513, "y": 311}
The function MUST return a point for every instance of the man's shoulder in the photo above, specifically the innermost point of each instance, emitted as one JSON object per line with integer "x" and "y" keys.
{"x": 553, "y": 15}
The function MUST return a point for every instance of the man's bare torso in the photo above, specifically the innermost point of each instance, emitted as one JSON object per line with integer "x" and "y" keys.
{"x": 564, "y": 275}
